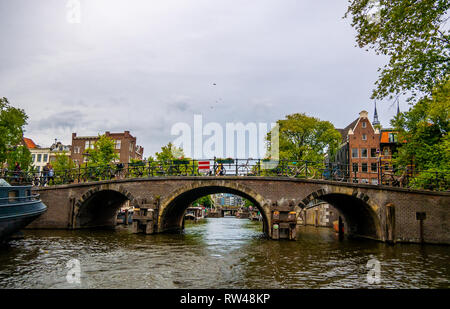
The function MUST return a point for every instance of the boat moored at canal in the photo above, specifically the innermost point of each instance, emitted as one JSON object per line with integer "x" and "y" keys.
{"x": 18, "y": 207}
{"x": 194, "y": 213}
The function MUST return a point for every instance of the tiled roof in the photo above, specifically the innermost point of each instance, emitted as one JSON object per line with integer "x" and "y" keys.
{"x": 344, "y": 132}
{"x": 29, "y": 143}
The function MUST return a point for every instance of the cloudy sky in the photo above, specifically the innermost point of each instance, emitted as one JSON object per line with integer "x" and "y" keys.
{"x": 145, "y": 65}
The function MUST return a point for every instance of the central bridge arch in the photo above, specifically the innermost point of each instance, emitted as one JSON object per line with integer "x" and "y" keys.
{"x": 172, "y": 209}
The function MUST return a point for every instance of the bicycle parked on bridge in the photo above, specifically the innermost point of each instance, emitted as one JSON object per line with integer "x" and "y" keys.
{"x": 296, "y": 171}
{"x": 335, "y": 173}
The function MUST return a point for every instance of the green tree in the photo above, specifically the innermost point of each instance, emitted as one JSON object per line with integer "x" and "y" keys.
{"x": 174, "y": 162}
{"x": 103, "y": 152}
{"x": 306, "y": 138}
{"x": 205, "y": 201}
{"x": 64, "y": 167}
{"x": 169, "y": 153}
{"x": 413, "y": 35}
{"x": 424, "y": 136}
{"x": 247, "y": 203}
{"x": 62, "y": 162}
{"x": 19, "y": 154}
{"x": 12, "y": 121}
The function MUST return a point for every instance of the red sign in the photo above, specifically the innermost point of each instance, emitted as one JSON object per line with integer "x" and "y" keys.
{"x": 203, "y": 165}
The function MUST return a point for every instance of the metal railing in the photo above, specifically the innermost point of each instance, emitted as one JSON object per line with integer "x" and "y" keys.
{"x": 378, "y": 174}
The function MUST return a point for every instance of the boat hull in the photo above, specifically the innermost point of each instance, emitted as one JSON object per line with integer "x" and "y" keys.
{"x": 16, "y": 216}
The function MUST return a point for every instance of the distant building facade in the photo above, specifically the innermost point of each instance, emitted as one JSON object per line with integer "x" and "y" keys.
{"x": 320, "y": 214}
{"x": 125, "y": 145}
{"x": 59, "y": 148}
{"x": 227, "y": 199}
{"x": 388, "y": 146}
{"x": 359, "y": 150}
{"x": 39, "y": 156}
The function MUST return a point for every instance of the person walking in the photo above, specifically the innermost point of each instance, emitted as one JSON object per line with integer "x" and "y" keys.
{"x": 17, "y": 171}
{"x": 220, "y": 170}
{"x": 45, "y": 172}
{"x": 51, "y": 174}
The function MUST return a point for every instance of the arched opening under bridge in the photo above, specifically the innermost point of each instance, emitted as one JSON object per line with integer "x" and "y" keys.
{"x": 100, "y": 209}
{"x": 172, "y": 211}
{"x": 358, "y": 215}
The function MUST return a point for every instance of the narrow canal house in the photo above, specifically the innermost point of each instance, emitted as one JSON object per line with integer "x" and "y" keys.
{"x": 359, "y": 149}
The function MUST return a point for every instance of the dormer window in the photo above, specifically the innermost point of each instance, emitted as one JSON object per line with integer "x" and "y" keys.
{"x": 364, "y": 124}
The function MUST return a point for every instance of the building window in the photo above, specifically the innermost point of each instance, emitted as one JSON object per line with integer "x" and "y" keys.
{"x": 386, "y": 151}
{"x": 39, "y": 158}
{"x": 45, "y": 157}
{"x": 89, "y": 145}
{"x": 374, "y": 181}
{"x": 118, "y": 144}
{"x": 392, "y": 138}
{"x": 364, "y": 124}
{"x": 364, "y": 167}
{"x": 373, "y": 152}
{"x": 364, "y": 153}
{"x": 76, "y": 149}
{"x": 38, "y": 169}
{"x": 33, "y": 157}
{"x": 373, "y": 167}
{"x": 364, "y": 137}
{"x": 355, "y": 167}
{"x": 131, "y": 147}
{"x": 354, "y": 152}
{"x": 366, "y": 181}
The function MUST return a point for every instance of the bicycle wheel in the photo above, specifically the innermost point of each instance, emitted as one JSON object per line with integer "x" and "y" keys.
{"x": 293, "y": 172}
{"x": 338, "y": 175}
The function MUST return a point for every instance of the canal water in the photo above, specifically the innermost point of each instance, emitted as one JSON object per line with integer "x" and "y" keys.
{"x": 217, "y": 253}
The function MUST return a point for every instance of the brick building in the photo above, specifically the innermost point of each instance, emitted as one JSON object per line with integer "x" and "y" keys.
{"x": 359, "y": 150}
{"x": 125, "y": 145}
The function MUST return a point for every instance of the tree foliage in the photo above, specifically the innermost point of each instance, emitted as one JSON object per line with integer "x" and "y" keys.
{"x": 413, "y": 35}
{"x": 425, "y": 132}
{"x": 12, "y": 121}
{"x": 62, "y": 162}
{"x": 21, "y": 155}
{"x": 103, "y": 152}
{"x": 247, "y": 203}
{"x": 306, "y": 138}
{"x": 205, "y": 201}
{"x": 169, "y": 153}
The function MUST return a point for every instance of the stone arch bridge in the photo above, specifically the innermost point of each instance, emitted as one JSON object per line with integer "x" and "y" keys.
{"x": 379, "y": 213}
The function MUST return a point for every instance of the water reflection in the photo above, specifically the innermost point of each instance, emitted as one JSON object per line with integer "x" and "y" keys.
{"x": 216, "y": 253}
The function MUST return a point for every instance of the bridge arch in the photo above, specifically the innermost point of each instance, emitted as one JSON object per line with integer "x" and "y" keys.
{"x": 172, "y": 209}
{"x": 357, "y": 209}
{"x": 98, "y": 207}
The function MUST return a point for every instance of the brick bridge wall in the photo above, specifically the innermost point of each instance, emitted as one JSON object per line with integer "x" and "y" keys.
{"x": 384, "y": 214}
